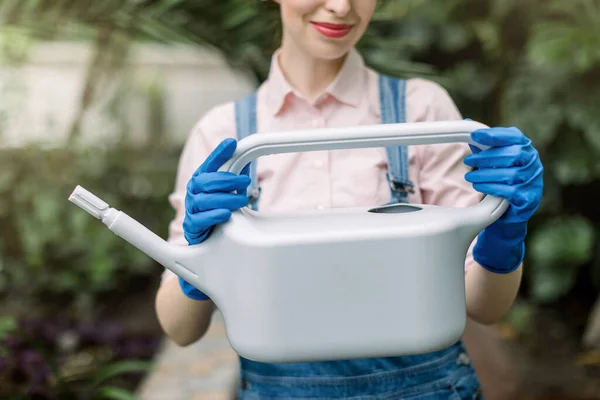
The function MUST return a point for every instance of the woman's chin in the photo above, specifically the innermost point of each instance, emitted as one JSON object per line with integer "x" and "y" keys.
{"x": 327, "y": 50}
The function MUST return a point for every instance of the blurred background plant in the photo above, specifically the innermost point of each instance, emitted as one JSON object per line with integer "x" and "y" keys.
{"x": 530, "y": 63}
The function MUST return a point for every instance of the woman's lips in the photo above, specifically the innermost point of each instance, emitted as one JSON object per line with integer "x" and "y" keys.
{"x": 334, "y": 31}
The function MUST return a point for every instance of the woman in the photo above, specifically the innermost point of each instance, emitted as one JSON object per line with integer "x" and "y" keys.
{"x": 317, "y": 80}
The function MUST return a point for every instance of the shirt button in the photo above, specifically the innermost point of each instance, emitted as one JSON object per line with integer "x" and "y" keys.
{"x": 318, "y": 164}
{"x": 320, "y": 207}
{"x": 316, "y": 123}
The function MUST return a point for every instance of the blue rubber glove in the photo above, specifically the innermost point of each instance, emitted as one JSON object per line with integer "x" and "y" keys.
{"x": 511, "y": 169}
{"x": 210, "y": 198}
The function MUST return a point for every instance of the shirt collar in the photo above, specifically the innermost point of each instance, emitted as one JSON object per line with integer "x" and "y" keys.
{"x": 347, "y": 87}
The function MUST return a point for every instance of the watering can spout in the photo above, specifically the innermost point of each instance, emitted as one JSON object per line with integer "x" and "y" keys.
{"x": 185, "y": 261}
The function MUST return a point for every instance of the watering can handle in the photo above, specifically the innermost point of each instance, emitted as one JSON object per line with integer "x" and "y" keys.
{"x": 382, "y": 135}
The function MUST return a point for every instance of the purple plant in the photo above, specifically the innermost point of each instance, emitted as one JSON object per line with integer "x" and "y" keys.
{"x": 41, "y": 348}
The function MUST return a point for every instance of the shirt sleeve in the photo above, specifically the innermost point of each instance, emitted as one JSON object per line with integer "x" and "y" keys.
{"x": 441, "y": 167}
{"x": 214, "y": 127}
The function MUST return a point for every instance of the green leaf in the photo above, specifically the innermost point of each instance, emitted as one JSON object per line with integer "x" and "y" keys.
{"x": 115, "y": 393}
{"x": 464, "y": 73}
{"x": 557, "y": 249}
{"x": 551, "y": 283}
{"x": 120, "y": 368}
{"x": 32, "y": 238}
{"x": 575, "y": 163}
{"x": 489, "y": 35}
{"x": 238, "y": 15}
{"x": 8, "y": 325}
{"x": 164, "y": 6}
{"x": 574, "y": 40}
{"x": 563, "y": 241}
{"x": 7, "y": 178}
{"x": 520, "y": 316}
{"x": 533, "y": 102}
{"x": 390, "y": 11}
{"x": 454, "y": 37}
{"x": 581, "y": 111}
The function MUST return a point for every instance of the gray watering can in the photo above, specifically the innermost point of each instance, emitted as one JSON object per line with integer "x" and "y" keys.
{"x": 329, "y": 284}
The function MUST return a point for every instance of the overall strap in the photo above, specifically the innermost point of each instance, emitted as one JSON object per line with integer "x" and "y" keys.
{"x": 245, "y": 122}
{"x": 392, "y": 98}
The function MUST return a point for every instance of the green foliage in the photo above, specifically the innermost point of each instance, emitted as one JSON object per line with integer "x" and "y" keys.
{"x": 533, "y": 64}
{"x": 520, "y": 317}
{"x": 115, "y": 393}
{"x": 118, "y": 369}
{"x": 55, "y": 257}
{"x": 559, "y": 247}
{"x": 51, "y": 249}
{"x": 100, "y": 384}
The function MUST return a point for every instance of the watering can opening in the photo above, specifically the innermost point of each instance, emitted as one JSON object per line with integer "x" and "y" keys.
{"x": 398, "y": 208}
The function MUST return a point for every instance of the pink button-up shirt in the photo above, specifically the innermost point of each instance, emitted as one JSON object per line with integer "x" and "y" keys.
{"x": 337, "y": 178}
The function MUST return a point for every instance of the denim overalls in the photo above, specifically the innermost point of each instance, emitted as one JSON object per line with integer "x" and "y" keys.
{"x": 446, "y": 374}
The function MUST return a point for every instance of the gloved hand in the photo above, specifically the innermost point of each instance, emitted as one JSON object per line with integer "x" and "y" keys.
{"x": 210, "y": 199}
{"x": 511, "y": 169}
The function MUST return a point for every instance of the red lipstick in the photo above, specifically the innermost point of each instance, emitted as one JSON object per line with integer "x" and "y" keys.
{"x": 333, "y": 31}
